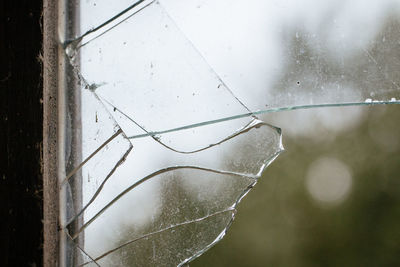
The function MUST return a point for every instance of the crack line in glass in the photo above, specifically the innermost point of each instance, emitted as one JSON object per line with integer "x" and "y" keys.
{"x": 238, "y": 132}
{"x": 77, "y": 40}
{"x": 230, "y": 209}
{"x": 204, "y": 59}
{"x": 137, "y": 11}
{"x": 90, "y": 156}
{"x": 152, "y": 175}
{"x": 265, "y": 111}
{"x": 99, "y": 189}
{"x": 379, "y": 67}
{"x": 83, "y": 251}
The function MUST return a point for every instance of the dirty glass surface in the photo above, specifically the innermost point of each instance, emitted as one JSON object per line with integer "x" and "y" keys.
{"x": 171, "y": 94}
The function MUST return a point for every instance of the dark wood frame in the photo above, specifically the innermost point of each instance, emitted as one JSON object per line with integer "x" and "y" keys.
{"x": 21, "y": 135}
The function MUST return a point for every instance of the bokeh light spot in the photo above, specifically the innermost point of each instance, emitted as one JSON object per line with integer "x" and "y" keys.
{"x": 328, "y": 181}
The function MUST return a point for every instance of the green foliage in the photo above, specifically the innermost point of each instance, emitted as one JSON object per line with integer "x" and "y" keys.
{"x": 279, "y": 224}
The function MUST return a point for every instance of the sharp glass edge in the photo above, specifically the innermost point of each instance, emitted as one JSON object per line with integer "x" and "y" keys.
{"x": 260, "y": 112}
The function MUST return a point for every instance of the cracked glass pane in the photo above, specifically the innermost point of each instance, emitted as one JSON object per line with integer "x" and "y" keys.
{"x": 169, "y": 94}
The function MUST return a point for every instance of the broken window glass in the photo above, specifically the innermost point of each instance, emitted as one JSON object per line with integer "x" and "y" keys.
{"x": 168, "y": 135}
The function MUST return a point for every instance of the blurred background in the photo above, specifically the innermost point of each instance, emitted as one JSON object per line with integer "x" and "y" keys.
{"x": 331, "y": 199}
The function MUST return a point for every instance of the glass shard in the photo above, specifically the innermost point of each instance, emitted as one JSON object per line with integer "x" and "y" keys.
{"x": 165, "y": 66}
{"x": 186, "y": 194}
